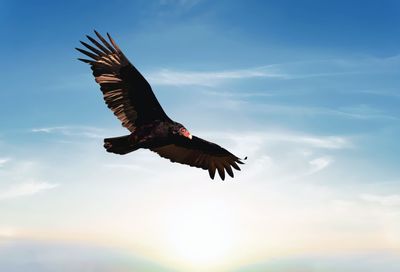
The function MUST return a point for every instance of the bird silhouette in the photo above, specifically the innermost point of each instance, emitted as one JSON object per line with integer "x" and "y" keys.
{"x": 130, "y": 97}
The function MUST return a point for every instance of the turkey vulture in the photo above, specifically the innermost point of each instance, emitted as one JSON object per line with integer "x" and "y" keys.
{"x": 127, "y": 93}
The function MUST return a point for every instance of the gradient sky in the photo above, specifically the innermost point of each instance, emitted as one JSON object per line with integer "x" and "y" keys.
{"x": 308, "y": 90}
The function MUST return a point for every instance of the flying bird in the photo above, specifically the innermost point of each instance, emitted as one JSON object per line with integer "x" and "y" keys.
{"x": 128, "y": 94}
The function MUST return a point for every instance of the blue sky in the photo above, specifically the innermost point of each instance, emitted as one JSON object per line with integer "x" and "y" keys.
{"x": 308, "y": 90}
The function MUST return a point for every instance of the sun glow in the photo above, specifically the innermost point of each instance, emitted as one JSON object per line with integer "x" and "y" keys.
{"x": 201, "y": 236}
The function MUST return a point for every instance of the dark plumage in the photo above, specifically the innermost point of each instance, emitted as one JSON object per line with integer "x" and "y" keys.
{"x": 130, "y": 97}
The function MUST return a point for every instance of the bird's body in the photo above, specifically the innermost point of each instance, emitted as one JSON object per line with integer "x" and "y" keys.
{"x": 128, "y": 94}
{"x": 152, "y": 135}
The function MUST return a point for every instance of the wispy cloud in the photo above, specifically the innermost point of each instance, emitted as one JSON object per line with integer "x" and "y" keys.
{"x": 328, "y": 142}
{"x": 3, "y": 161}
{"x": 48, "y": 129}
{"x": 85, "y": 131}
{"x": 385, "y": 200}
{"x": 25, "y": 189}
{"x": 285, "y": 136}
{"x": 289, "y": 71}
{"x": 364, "y": 112}
{"x": 319, "y": 164}
{"x": 126, "y": 166}
{"x": 391, "y": 93}
{"x": 247, "y": 94}
{"x": 338, "y": 67}
{"x": 178, "y": 78}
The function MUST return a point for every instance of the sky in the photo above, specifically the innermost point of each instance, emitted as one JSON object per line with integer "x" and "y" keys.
{"x": 307, "y": 90}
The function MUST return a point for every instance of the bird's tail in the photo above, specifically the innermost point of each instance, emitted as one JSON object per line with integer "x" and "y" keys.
{"x": 119, "y": 145}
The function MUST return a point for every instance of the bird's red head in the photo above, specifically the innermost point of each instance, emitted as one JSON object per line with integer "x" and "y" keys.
{"x": 184, "y": 132}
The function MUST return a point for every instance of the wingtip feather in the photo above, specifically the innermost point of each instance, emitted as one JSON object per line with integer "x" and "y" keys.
{"x": 212, "y": 175}
{"x": 104, "y": 41}
{"x": 85, "y": 60}
{"x": 221, "y": 172}
{"x": 91, "y": 55}
{"x": 229, "y": 170}
{"x": 234, "y": 165}
{"x": 113, "y": 42}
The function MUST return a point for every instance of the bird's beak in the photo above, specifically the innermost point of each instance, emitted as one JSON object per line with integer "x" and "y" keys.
{"x": 187, "y": 134}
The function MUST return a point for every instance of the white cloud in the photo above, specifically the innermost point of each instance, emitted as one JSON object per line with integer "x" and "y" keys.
{"x": 328, "y": 142}
{"x": 337, "y": 67}
{"x": 380, "y": 93}
{"x": 363, "y": 112}
{"x": 316, "y": 141}
{"x": 47, "y": 129}
{"x": 384, "y": 200}
{"x": 319, "y": 164}
{"x": 127, "y": 167}
{"x": 25, "y": 189}
{"x": 281, "y": 156}
{"x": 272, "y": 183}
{"x": 247, "y": 94}
{"x": 85, "y": 131}
{"x": 178, "y": 78}
{"x": 353, "y": 112}
{"x": 3, "y": 161}
{"x": 289, "y": 70}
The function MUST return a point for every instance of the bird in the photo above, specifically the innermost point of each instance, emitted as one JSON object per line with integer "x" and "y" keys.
{"x": 130, "y": 97}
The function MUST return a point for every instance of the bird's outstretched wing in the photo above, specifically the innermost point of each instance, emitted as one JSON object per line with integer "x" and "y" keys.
{"x": 200, "y": 153}
{"x": 126, "y": 92}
